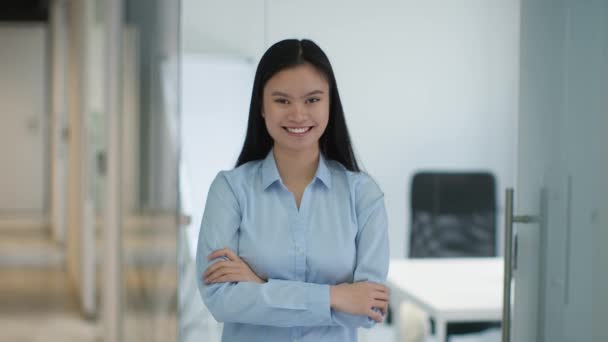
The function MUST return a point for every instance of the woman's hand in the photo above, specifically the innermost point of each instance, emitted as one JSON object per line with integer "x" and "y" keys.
{"x": 232, "y": 270}
{"x": 360, "y": 299}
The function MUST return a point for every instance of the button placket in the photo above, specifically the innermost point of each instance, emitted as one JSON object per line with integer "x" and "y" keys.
{"x": 300, "y": 257}
{"x": 302, "y": 231}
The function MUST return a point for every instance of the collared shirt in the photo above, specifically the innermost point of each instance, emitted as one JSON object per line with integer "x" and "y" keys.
{"x": 338, "y": 235}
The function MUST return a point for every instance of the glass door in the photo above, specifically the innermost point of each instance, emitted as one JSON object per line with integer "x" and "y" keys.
{"x": 559, "y": 263}
{"x": 140, "y": 206}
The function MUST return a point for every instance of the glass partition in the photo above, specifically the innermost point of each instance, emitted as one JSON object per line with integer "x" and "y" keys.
{"x": 149, "y": 146}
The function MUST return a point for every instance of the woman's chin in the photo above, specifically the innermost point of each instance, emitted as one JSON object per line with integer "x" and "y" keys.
{"x": 300, "y": 146}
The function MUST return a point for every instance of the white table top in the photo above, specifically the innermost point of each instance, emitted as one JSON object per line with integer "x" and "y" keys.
{"x": 468, "y": 289}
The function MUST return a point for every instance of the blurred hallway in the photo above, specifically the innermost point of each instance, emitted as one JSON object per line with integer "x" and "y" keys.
{"x": 88, "y": 152}
{"x": 40, "y": 304}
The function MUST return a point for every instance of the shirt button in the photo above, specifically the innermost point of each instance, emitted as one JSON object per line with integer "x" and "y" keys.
{"x": 300, "y": 251}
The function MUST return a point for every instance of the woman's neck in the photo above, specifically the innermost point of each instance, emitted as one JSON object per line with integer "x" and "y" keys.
{"x": 296, "y": 168}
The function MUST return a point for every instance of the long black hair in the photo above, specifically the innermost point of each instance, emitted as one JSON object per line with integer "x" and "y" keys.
{"x": 334, "y": 142}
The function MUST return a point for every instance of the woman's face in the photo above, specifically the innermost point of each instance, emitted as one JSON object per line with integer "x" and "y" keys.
{"x": 296, "y": 107}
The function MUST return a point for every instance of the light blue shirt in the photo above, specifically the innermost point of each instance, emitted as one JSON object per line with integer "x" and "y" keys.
{"x": 338, "y": 235}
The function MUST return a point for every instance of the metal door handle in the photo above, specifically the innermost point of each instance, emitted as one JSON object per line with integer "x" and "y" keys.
{"x": 508, "y": 260}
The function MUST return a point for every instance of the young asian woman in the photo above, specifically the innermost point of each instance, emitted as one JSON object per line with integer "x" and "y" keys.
{"x": 293, "y": 243}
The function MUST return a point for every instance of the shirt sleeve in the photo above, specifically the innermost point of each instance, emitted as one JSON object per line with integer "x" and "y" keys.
{"x": 372, "y": 245}
{"x": 280, "y": 303}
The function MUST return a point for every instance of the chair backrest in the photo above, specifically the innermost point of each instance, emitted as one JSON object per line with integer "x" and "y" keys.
{"x": 453, "y": 214}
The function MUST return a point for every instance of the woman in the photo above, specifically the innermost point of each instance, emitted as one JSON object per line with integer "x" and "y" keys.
{"x": 293, "y": 243}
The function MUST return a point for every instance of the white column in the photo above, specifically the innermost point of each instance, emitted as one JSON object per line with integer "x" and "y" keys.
{"x": 113, "y": 293}
{"x": 58, "y": 23}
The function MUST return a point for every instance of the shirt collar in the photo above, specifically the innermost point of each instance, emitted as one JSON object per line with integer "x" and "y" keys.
{"x": 270, "y": 173}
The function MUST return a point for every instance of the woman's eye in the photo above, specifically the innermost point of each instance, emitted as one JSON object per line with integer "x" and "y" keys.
{"x": 313, "y": 100}
{"x": 281, "y": 101}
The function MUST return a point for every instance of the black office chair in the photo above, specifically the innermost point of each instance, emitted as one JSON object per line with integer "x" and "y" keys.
{"x": 453, "y": 214}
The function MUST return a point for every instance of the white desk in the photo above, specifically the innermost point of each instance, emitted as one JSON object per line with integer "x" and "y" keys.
{"x": 450, "y": 290}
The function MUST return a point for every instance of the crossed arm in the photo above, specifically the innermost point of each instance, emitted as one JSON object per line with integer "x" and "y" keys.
{"x": 234, "y": 293}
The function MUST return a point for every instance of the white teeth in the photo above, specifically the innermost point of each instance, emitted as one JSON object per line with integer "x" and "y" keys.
{"x": 298, "y": 130}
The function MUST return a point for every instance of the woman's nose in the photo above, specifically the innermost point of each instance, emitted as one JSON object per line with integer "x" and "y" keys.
{"x": 298, "y": 113}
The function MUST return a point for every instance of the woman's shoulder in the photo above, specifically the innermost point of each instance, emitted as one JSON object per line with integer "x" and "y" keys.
{"x": 359, "y": 182}
{"x": 237, "y": 176}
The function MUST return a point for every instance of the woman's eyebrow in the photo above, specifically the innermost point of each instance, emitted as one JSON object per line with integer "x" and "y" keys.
{"x": 314, "y": 92}
{"x": 278, "y": 93}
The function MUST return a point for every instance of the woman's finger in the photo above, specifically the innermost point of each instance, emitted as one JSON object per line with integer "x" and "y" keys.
{"x": 224, "y": 252}
{"x": 229, "y": 278}
{"x": 216, "y": 254}
{"x": 381, "y": 305}
{"x": 212, "y": 268}
{"x": 219, "y": 274}
{"x": 376, "y": 316}
{"x": 229, "y": 266}
{"x": 381, "y": 295}
{"x": 380, "y": 288}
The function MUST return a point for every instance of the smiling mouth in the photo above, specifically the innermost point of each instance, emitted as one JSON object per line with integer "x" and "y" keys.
{"x": 298, "y": 130}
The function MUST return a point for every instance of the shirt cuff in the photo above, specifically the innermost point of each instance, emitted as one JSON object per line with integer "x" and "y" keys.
{"x": 318, "y": 303}
{"x": 294, "y": 295}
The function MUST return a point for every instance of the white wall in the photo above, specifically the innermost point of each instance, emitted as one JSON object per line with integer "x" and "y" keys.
{"x": 24, "y": 113}
{"x": 425, "y": 84}
{"x": 229, "y": 27}
{"x": 214, "y": 100}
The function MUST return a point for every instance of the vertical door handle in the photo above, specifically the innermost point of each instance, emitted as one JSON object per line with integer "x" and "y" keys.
{"x": 510, "y": 218}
